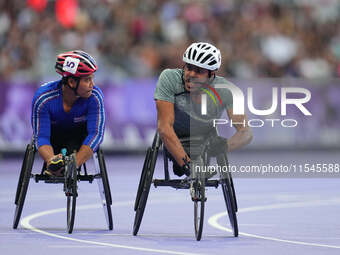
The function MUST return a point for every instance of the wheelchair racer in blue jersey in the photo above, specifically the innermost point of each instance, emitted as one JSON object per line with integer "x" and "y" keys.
{"x": 69, "y": 113}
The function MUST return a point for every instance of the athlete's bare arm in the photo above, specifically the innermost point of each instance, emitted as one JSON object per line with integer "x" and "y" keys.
{"x": 165, "y": 121}
{"x": 243, "y": 135}
{"x": 46, "y": 152}
{"x": 85, "y": 152}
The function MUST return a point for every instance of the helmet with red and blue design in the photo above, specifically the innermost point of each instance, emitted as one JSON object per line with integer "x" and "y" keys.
{"x": 75, "y": 63}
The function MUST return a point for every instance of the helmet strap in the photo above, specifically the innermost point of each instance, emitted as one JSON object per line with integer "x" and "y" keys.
{"x": 77, "y": 85}
{"x": 209, "y": 75}
{"x": 76, "y": 88}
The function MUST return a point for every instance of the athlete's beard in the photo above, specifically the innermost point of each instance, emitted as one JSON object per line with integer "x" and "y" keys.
{"x": 200, "y": 82}
{"x": 197, "y": 83}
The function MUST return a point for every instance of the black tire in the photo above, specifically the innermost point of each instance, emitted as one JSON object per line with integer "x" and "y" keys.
{"x": 198, "y": 196}
{"x": 71, "y": 192}
{"x": 142, "y": 178}
{"x": 105, "y": 191}
{"x": 231, "y": 183}
{"x": 22, "y": 172}
{"x": 234, "y": 193}
{"x": 149, "y": 169}
{"x": 199, "y": 189}
{"x": 25, "y": 175}
{"x": 229, "y": 196}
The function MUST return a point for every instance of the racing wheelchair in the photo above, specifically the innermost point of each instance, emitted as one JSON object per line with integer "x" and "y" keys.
{"x": 196, "y": 182}
{"x": 71, "y": 176}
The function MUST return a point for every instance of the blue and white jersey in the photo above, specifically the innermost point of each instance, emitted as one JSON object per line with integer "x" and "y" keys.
{"x": 48, "y": 111}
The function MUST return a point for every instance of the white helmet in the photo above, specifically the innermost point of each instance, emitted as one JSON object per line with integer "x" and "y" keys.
{"x": 204, "y": 55}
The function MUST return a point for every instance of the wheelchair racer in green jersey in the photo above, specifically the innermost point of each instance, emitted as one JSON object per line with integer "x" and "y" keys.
{"x": 178, "y": 97}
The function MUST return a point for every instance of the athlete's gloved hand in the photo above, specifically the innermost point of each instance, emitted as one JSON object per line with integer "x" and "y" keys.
{"x": 181, "y": 170}
{"x": 55, "y": 165}
{"x": 217, "y": 145}
{"x": 186, "y": 167}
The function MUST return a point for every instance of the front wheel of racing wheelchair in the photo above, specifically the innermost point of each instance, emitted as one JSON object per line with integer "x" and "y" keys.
{"x": 70, "y": 189}
{"x": 196, "y": 183}
{"x": 71, "y": 177}
{"x": 197, "y": 192}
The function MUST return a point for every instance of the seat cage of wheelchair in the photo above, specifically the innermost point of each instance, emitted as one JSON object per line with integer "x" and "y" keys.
{"x": 197, "y": 146}
{"x": 61, "y": 179}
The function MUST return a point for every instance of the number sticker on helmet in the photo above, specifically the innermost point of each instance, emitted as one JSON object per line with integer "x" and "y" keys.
{"x": 71, "y": 65}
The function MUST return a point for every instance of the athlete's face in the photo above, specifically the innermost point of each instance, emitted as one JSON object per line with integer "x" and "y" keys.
{"x": 195, "y": 77}
{"x": 85, "y": 86}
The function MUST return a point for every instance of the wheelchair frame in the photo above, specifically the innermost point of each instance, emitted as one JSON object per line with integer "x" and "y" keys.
{"x": 71, "y": 177}
{"x": 195, "y": 183}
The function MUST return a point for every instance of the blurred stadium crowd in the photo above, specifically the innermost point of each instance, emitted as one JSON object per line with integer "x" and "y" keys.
{"x": 259, "y": 38}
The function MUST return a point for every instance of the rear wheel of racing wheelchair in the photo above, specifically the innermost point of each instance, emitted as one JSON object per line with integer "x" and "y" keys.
{"x": 197, "y": 191}
{"x": 25, "y": 175}
{"x": 104, "y": 188}
{"x": 142, "y": 177}
{"x": 228, "y": 193}
{"x": 145, "y": 182}
{"x": 70, "y": 189}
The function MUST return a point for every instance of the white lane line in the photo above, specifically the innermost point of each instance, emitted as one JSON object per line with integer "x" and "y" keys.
{"x": 213, "y": 220}
{"x": 25, "y": 222}
{"x": 16, "y": 233}
{"x": 174, "y": 235}
{"x": 77, "y": 246}
{"x": 257, "y": 225}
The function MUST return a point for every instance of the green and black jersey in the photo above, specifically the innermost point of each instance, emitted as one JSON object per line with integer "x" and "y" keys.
{"x": 189, "y": 119}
